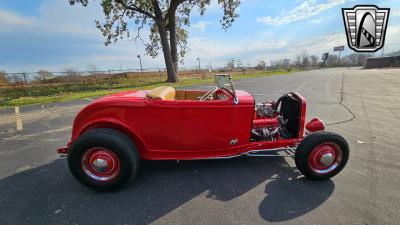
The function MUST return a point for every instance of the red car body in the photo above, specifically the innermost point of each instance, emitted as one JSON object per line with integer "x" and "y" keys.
{"x": 184, "y": 129}
{"x": 112, "y": 134}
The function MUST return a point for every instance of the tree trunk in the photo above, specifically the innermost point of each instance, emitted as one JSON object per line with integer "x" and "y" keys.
{"x": 172, "y": 78}
{"x": 167, "y": 55}
{"x": 172, "y": 40}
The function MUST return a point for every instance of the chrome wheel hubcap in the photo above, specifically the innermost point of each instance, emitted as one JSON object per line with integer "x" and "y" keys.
{"x": 327, "y": 159}
{"x": 100, "y": 165}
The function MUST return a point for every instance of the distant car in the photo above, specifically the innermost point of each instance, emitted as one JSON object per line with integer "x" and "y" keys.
{"x": 111, "y": 135}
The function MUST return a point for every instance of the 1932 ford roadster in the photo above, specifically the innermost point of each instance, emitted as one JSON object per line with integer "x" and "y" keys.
{"x": 112, "y": 134}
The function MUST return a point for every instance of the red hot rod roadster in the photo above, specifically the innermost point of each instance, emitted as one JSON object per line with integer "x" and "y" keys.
{"x": 112, "y": 134}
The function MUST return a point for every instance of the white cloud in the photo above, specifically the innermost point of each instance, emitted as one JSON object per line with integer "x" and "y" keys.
{"x": 269, "y": 45}
{"x": 393, "y": 32}
{"x": 8, "y": 18}
{"x": 60, "y": 17}
{"x": 322, "y": 18}
{"x": 215, "y": 49}
{"x": 307, "y": 9}
{"x": 317, "y": 21}
{"x": 313, "y": 46}
{"x": 55, "y": 17}
{"x": 392, "y": 39}
{"x": 201, "y": 25}
{"x": 395, "y": 12}
{"x": 322, "y": 43}
{"x": 252, "y": 51}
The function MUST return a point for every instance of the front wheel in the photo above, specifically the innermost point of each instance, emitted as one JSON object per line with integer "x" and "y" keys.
{"x": 322, "y": 155}
{"x": 103, "y": 159}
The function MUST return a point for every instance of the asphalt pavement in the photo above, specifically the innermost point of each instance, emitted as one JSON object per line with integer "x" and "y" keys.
{"x": 36, "y": 186}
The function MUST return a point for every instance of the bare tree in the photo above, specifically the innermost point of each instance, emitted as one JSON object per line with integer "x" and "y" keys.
{"x": 333, "y": 60}
{"x": 72, "y": 75}
{"x": 15, "y": 78}
{"x": 305, "y": 60}
{"x": 166, "y": 19}
{"x": 298, "y": 60}
{"x": 209, "y": 67}
{"x": 362, "y": 59}
{"x": 24, "y": 76}
{"x": 286, "y": 63}
{"x": 239, "y": 64}
{"x": 281, "y": 63}
{"x": 231, "y": 65}
{"x": 261, "y": 65}
{"x": 3, "y": 78}
{"x": 44, "y": 75}
{"x": 92, "y": 68}
{"x": 314, "y": 60}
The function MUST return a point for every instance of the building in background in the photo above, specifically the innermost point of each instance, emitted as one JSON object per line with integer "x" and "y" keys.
{"x": 390, "y": 60}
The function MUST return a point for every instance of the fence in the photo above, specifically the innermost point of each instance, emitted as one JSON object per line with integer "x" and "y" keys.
{"x": 45, "y": 76}
{"x": 88, "y": 77}
{"x": 44, "y": 83}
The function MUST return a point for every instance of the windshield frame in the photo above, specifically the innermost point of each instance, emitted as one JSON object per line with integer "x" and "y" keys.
{"x": 225, "y": 81}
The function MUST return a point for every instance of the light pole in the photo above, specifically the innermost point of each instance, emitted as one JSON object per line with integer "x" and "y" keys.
{"x": 140, "y": 60}
{"x": 198, "y": 59}
{"x": 202, "y": 75}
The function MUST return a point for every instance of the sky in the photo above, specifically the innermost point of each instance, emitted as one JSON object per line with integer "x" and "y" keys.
{"x": 52, "y": 35}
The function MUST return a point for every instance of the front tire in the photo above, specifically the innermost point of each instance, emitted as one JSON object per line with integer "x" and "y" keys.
{"x": 322, "y": 155}
{"x": 103, "y": 159}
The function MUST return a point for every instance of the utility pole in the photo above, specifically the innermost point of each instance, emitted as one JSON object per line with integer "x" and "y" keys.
{"x": 383, "y": 49}
{"x": 140, "y": 60}
{"x": 198, "y": 59}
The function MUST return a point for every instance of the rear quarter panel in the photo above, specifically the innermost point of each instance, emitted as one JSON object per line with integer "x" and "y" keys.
{"x": 136, "y": 119}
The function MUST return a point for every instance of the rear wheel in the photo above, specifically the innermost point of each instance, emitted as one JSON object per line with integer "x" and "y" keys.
{"x": 103, "y": 159}
{"x": 322, "y": 155}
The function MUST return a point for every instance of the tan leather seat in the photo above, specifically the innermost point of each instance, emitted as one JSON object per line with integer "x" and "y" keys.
{"x": 161, "y": 93}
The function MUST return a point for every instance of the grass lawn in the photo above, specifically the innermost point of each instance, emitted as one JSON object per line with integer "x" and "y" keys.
{"x": 88, "y": 94}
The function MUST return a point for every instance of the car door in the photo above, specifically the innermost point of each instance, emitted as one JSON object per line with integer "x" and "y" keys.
{"x": 160, "y": 125}
{"x": 206, "y": 125}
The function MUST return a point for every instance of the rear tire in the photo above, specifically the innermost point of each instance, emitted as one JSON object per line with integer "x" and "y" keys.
{"x": 103, "y": 159}
{"x": 322, "y": 155}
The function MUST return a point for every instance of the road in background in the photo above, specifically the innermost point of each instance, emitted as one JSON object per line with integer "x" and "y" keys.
{"x": 362, "y": 105}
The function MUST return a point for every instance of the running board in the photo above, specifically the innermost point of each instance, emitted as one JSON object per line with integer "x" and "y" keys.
{"x": 280, "y": 152}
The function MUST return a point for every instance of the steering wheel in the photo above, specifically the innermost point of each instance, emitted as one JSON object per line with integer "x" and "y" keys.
{"x": 209, "y": 94}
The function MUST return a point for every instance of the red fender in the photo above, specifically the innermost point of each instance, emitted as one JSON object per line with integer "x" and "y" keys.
{"x": 315, "y": 125}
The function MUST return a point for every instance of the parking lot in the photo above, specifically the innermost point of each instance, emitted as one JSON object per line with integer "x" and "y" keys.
{"x": 36, "y": 186}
